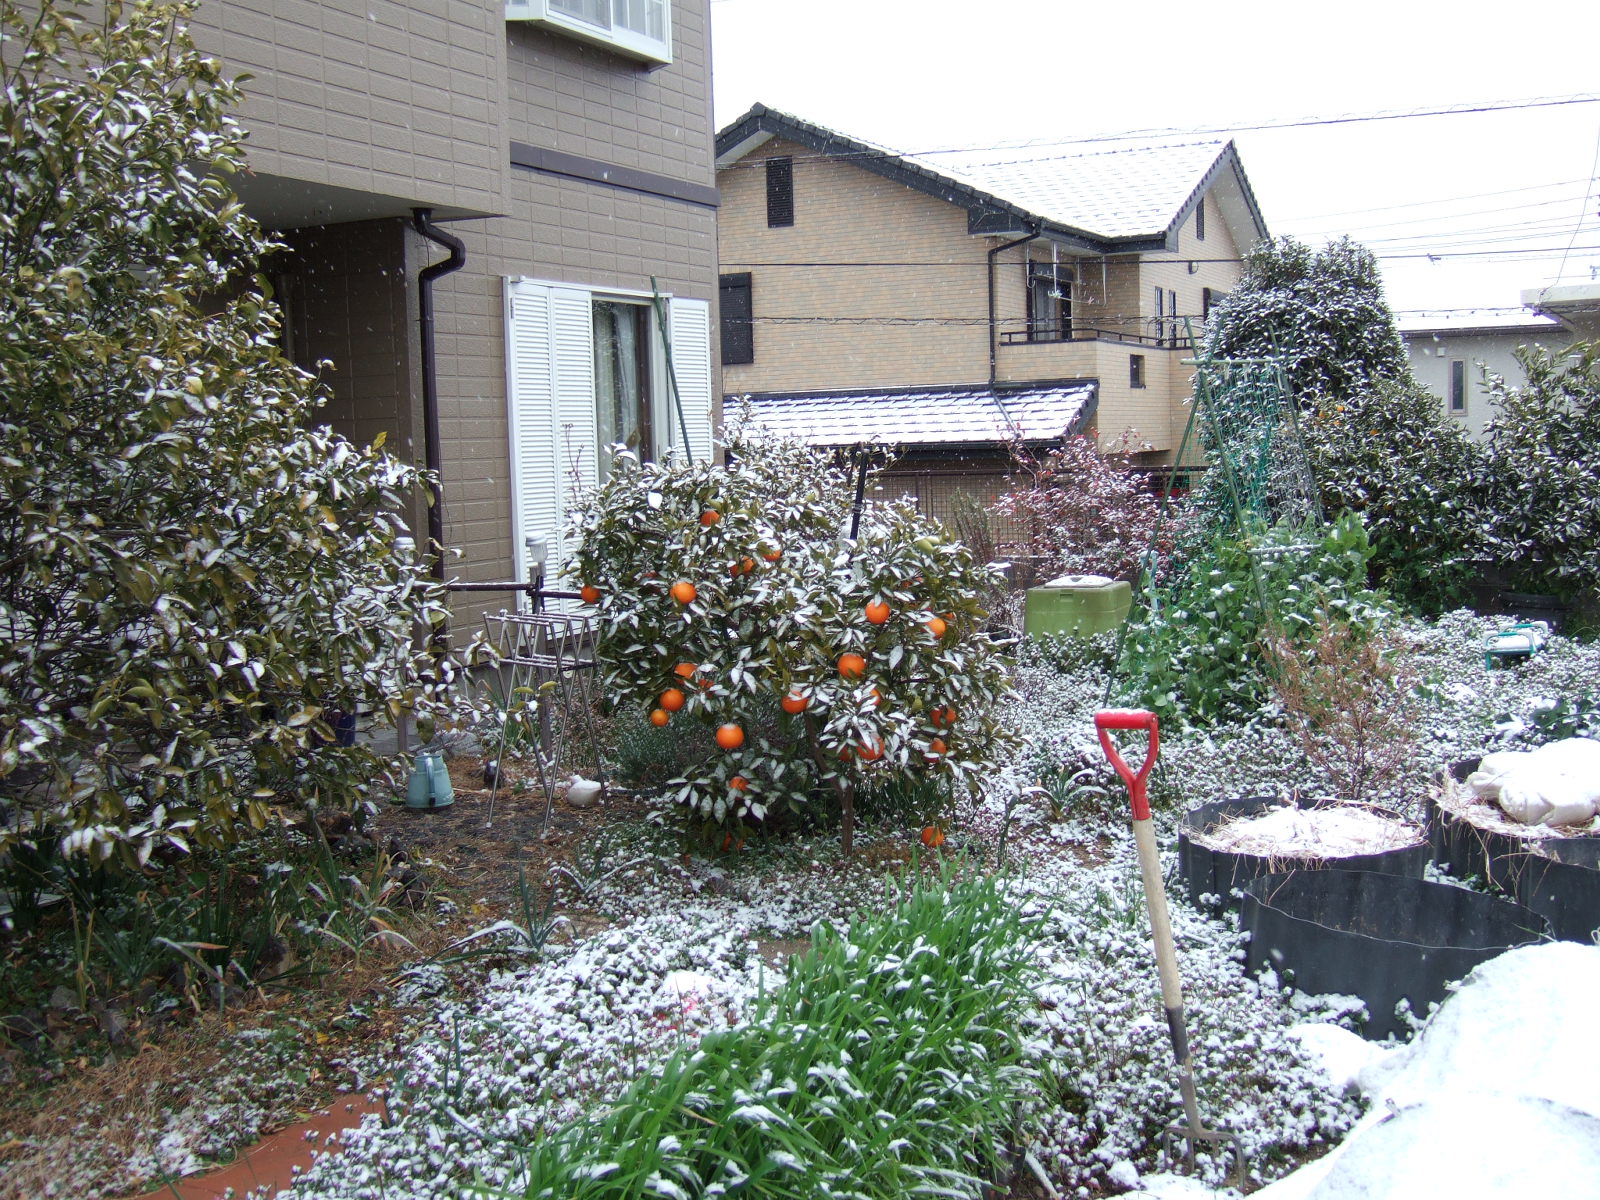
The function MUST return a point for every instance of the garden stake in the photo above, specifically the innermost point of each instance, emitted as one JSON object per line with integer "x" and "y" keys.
{"x": 1155, "y": 898}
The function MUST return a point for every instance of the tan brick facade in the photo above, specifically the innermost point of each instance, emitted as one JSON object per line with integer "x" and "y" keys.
{"x": 361, "y": 110}
{"x": 838, "y": 305}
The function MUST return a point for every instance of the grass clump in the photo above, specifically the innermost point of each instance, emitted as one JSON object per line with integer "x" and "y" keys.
{"x": 889, "y": 1064}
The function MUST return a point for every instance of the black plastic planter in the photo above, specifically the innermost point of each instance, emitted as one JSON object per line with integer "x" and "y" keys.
{"x": 1380, "y": 937}
{"x": 1497, "y": 858}
{"x": 1219, "y": 872}
{"x": 1561, "y": 882}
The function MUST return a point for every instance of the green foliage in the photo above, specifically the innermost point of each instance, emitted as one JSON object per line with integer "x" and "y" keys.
{"x": 193, "y": 576}
{"x": 1197, "y": 655}
{"x": 781, "y": 594}
{"x": 1377, "y": 442}
{"x": 265, "y": 913}
{"x": 1414, "y": 478}
{"x": 1321, "y": 313}
{"x": 1544, "y": 440}
{"x": 889, "y": 1064}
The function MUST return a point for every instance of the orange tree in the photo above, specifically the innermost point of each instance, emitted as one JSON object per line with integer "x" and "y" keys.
{"x": 731, "y": 597}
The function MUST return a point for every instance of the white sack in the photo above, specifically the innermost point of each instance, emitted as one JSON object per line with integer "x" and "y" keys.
{"x": 1557, "y": 784}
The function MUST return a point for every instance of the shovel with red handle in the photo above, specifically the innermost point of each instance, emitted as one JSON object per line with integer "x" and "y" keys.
{"x": 1155, "y": 898}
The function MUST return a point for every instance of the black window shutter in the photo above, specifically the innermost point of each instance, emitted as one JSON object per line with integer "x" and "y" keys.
{"x": 738, "y": 333}
{"x": 780, "y": 192}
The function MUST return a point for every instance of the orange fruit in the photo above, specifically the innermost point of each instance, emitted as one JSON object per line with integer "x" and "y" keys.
{"x": 877, "y": 612}
{"x": 794, "y": 702}
{"x": 685, "y": 670}
{"x": 659, "y": 716}
{"x": 729, "y": 844}
{"x": 936, "y": 626}
{"x": 773, "y": 554}
{"x": 730, "y": 736}
{"x": 590, "y": 593}
{"x": 852, "y": 666}
{"x": 738, "y": 783}
{"x": 932, "y": 836}
{"x": 870, "y": 751}
{"x": 684, "y": 592}
{"x": 710, "y": 517}
{"x": 944, "y": 715}
{"x": 743, "y": 567}
{"x": 671, "y": 700}
{"x": 877, "y": 698}
{"x": 936, "y": 747}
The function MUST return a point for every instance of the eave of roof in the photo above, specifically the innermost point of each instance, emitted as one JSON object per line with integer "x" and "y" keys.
{"x": 988, "y": 212}
{"x": 934, "y": 417}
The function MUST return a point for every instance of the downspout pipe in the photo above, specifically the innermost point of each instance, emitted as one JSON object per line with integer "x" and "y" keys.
{"x": 422, "y": 221}
{"x": 994, "y": 333}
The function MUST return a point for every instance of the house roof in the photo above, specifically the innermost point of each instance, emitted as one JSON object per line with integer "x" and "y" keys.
{"x": 1115, "y": 199}
{"x": 931, "y": 417}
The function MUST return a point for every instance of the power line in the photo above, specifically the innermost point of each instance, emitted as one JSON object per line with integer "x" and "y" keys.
{"x": 1145, "y": 135}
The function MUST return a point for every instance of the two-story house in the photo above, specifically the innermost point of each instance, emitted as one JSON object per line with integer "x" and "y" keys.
{"x": 945, "y": 304}
{"x": 499, "y": 216}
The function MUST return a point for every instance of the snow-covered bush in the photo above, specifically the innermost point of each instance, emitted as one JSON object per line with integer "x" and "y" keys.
{"x": 1544, "y": 439}
{"x": 731, "y": 598}
{"x": 194, "y": 578}
{"x": 1082, "y": 512}
{"x": 1376, "y": 440}
{"x": 1197, "y": 654}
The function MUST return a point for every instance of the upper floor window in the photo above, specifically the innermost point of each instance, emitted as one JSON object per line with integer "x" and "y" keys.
{"x": 637, "y": 28}
{"x": 780, "y": 192}
{"x": 1049, "y": 302}
{"x": 738, "y": 333}
{"x": 1200, "y": 220}
{"x": 1458, "y": 385}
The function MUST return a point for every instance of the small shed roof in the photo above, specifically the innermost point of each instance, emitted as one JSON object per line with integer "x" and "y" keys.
{"x": 932, "y": 417}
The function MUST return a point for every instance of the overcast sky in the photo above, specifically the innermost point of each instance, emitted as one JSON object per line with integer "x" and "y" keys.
{"x": 936, "y": 74}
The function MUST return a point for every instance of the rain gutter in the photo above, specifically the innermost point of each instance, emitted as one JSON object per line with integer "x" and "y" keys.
{"x": 432, "y": 453}
{"x": 994, "y": 332}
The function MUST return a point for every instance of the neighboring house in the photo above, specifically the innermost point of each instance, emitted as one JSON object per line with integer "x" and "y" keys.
{"x": 567, "y": 144}
{"x": 946, "y": 304}
{"x": 1577, "y": 306}
{"x": 1450, "y": 358}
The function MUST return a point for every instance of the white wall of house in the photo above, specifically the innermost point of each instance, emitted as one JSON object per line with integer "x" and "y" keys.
{"x": 1450, "y": 363}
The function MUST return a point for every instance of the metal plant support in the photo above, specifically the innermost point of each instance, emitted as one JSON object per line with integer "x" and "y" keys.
{"x": 548, "y": 658}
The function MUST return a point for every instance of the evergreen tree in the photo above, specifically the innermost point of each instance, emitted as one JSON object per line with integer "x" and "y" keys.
{"x": 192, "y": 576}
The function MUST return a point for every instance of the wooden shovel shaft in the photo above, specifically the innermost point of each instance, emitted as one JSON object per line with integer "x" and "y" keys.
{"x": 1155, "y": 899}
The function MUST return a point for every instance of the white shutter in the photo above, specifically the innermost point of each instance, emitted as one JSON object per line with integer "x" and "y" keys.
{"x": 576, "y": 435}
{"x": 530, "y": 393}
{"x": 690, "y": 322}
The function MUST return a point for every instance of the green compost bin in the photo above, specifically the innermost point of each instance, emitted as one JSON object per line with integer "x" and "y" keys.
{"x": 1078, "y": 605}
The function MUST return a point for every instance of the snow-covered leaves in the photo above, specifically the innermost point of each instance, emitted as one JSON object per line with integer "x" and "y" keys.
{"x": 196, "y": 578}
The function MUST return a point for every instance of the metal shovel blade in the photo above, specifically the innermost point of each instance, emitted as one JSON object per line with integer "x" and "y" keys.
{"x": 1189, "y": 1135}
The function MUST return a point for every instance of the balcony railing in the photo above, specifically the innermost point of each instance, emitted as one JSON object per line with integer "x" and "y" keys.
{"x": 1163, "y": 335}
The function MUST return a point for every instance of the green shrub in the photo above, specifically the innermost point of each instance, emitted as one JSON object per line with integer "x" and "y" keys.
{"x": 724, "y": 591}
{"x": 889, "y": 1064}
{"x": 1197, "y": 654}
{"x": 192, "y": 575}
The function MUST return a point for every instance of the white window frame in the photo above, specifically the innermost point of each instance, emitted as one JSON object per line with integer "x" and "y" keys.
{"x": 612, "y": 35}
{"x": 553, "y": 435}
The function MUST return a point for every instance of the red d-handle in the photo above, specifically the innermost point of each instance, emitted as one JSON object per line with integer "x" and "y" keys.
{"x": 1130, "y": 718}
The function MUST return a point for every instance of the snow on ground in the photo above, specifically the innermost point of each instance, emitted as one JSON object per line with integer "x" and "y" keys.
{"x": 1497, "y": 1098}
{"x": 534, "y": 1047}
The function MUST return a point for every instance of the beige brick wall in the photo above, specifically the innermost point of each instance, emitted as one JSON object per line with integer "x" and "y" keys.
{"x": 844, "y": 214}
{"x": 581, "y": 99}
{"x": 384, "y": 96}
